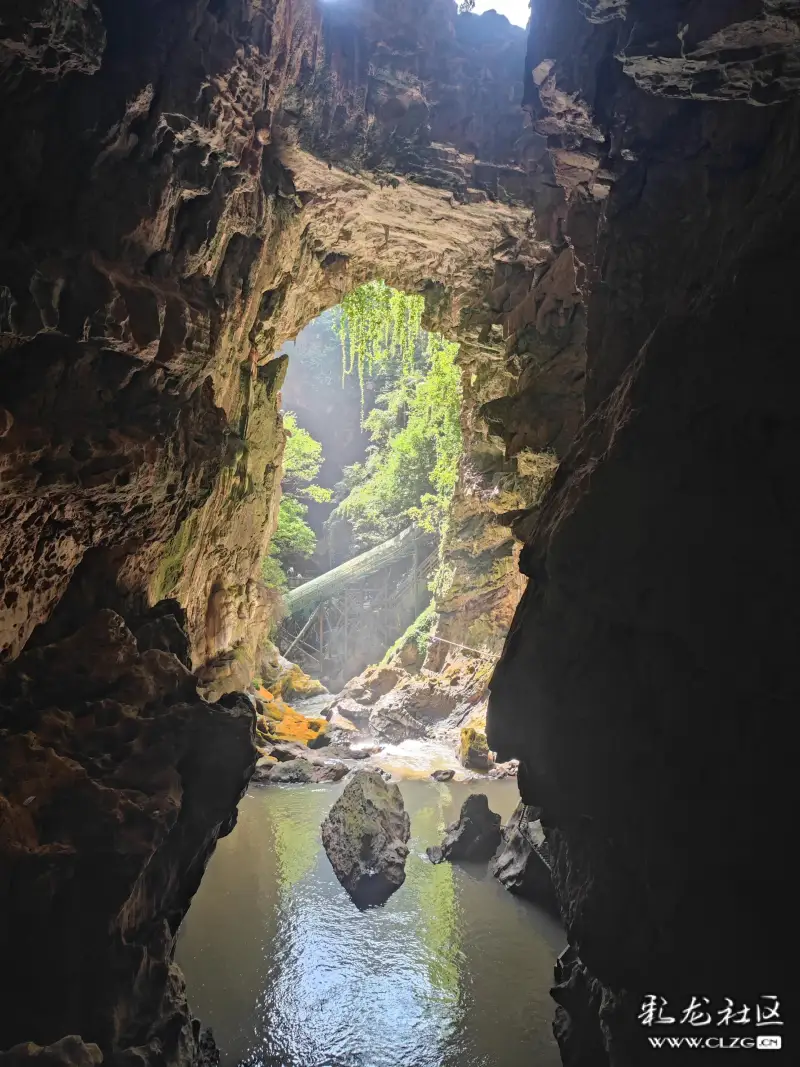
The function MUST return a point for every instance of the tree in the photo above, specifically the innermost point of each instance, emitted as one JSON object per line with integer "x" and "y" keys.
{"x": 302, "y": 460}
{"x": 293, "y": 535}
{"x": 465, "y": 6}
{"x": 302, "y": 457}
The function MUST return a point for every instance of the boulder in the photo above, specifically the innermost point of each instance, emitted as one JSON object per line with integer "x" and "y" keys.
{"x": 473, "y": 750}
{"x": 366, "y": 838}
{"x": 352, "y": 711}
{"x": 475, "y": 837}
{"x": 298, "y": 772}
{"x": 392, "y": 721}
{"x": 348, "y": 752}
{"x": 522, "y": 863}
{"x": 279, "y": 722}
{"x": 443, "y": 775}
{"x": 505, "y": 770}
{"x": 397, "y": 705}
{"x": 284, "y": 751}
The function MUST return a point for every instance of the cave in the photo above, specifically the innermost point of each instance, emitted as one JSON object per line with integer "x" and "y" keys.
{"x": 601, "y": 211}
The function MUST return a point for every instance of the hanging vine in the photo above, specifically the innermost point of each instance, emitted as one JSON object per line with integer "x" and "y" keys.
{"x": 378, "y": 324}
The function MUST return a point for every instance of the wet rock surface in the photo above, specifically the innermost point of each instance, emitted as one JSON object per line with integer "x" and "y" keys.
{"x": 475, "y": 836}
{"x": 366, "y": 838}
{"x": 522, "y": 863}
{"x": 299, "y": 771}
{"x": 116, "y": 781}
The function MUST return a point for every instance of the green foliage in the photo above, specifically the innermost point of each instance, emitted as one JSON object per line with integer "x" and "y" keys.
{"x": 412, "y": 465}
{"x": 293, "y": 536}
{"x": 419, "y": 632}
{"x": 302, "y": 457}
{"x": 379, "y": 325}
{"x": 302, "y": 460}
{"x": 318, "y": 494}
{"x": 272, "y": 574}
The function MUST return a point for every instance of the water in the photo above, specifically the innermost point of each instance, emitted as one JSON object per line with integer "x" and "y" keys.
{"x": 452, "y": 972}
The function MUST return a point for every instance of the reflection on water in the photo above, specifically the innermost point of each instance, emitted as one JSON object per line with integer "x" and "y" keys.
{"x": 452, "y": 972}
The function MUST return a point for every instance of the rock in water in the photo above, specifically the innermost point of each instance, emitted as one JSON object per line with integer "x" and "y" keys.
{"x": 522, "y": 865}
{"x": 366, "y": 838}
{"x": 474, "y": 749}
{"x": 476, "y": 835}
{"x": 299, "y": 772}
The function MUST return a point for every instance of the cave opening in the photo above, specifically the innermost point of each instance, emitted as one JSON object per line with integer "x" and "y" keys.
{"x": 372, "y": 408}
{"x": 603, "y": 212}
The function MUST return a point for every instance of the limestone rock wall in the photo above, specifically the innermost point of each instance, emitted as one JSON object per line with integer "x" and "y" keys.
{"x": 117, "y": 781}
{"x": 140, "y": 203}
{"x": 645, "y": 680}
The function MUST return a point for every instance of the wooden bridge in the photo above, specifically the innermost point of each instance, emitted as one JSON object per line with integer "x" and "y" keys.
{"x": 339, "y": 623}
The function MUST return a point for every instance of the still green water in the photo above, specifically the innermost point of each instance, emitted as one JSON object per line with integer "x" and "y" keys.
{"x": 452, "y": 972}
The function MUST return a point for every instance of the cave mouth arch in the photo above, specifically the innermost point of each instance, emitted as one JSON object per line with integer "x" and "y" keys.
{"x": 372, "y": 405}
{"x": 468, "y": 259}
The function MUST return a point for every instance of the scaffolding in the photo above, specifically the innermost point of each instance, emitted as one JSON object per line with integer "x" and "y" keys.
{"x": 356, "y": 611}
{"x": 314, "y": 592}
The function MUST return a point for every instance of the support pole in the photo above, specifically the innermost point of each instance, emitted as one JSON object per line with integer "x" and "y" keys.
{"x": 414, "y": 577}
{"x": 346, "y": 599}
{"x": 304, "y": 630}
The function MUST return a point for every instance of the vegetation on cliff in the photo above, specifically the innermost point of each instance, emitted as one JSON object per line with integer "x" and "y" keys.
{"x": 294, "y": 537}
{"x": 412, "y": 464}
{"x": 379, "y": 325}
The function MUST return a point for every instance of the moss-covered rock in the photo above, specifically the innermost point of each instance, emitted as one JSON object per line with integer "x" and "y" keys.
{"x": 366, "y": 838}
{"x": 473, "y": 750}
{"x": 286, "y": 679}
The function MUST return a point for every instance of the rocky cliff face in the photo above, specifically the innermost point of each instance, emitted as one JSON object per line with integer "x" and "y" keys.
{"x": 645, "y": 679}
{"x": 141, "y": 198}
{"x": 184, "y": 187}
{"x": 117, "y": 780}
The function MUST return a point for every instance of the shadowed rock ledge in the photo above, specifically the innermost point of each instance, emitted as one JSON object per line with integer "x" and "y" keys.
{"x": 117, "y": 780}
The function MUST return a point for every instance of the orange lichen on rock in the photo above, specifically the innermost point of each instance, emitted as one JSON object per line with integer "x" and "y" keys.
{"x": 280, "y": 722}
